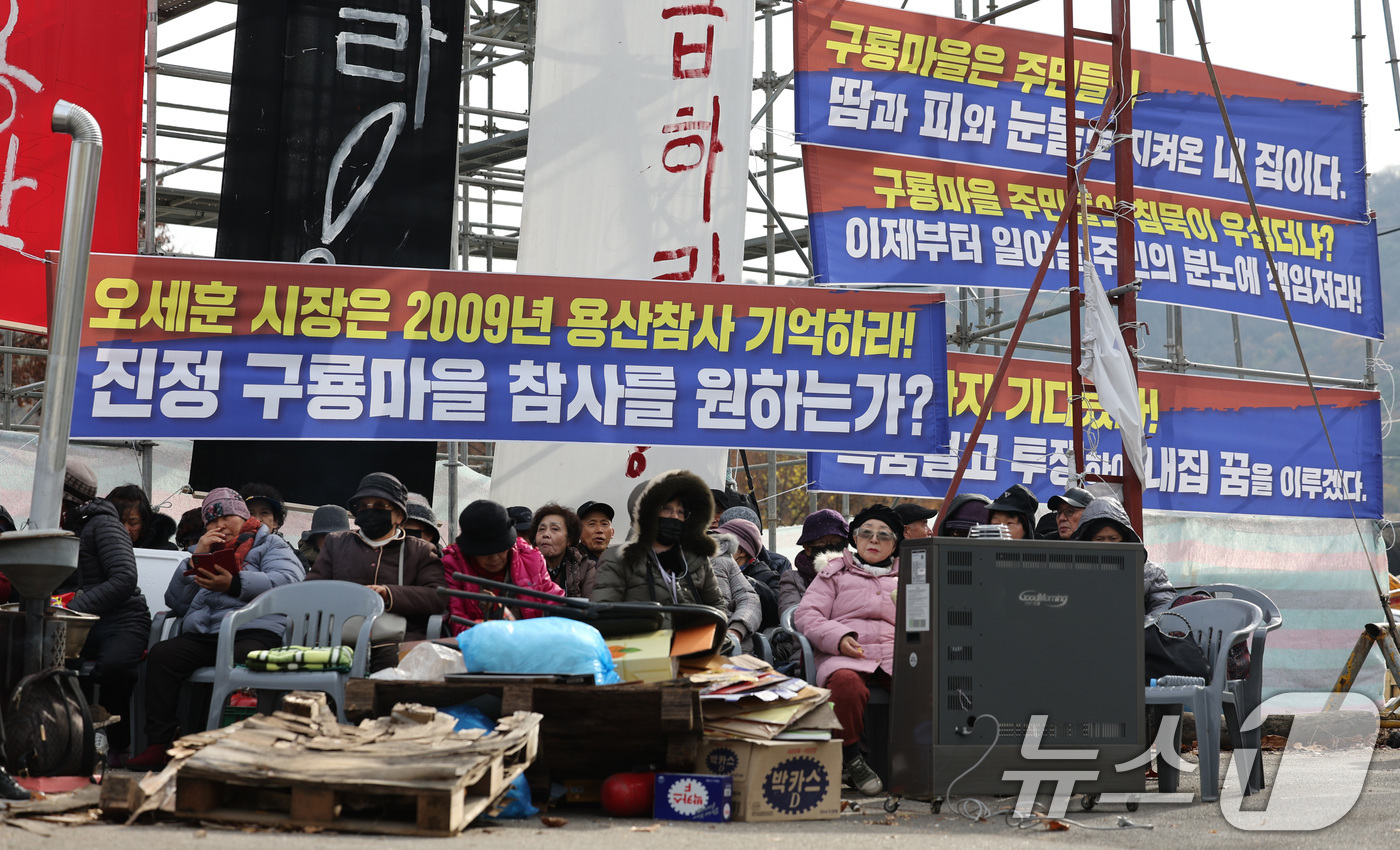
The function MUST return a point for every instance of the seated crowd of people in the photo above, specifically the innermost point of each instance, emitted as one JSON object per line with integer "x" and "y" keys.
{"x": 686, "y": 546}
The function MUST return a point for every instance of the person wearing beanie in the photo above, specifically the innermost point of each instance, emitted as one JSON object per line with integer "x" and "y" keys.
{"x": 741, "y": 601}
{"x": 766, "y": 582}
{"x": 488, "y": 546}
{"x": 824, "y": 534}
{"x": 848, "y": 614}
{"x": 774, "y": 561}
{"x": 1106, "y": 521}
{"x": 148, "y": 528}
{"x": 327, "y": 519}
{"x": 421, "y": 522}
{"x": 105, "y": 585}
{"x": 667, "y": 555}
{"x": 963, "y": 512}
{"x": 403, "y": 570}
{"x": 203, "y": 599}
{"x": 1015, "y": 509}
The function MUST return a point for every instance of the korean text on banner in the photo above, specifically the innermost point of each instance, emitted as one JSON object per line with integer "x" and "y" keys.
{"x": 935, "y": 152}
{"x": 174, "y": 347}
{"x": 1213, "y": 445}
{"x": 638, "y": 156}
{"x": 52, "y": 50}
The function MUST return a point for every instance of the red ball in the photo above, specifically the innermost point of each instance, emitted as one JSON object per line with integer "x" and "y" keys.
{"x": 629, "y": 795}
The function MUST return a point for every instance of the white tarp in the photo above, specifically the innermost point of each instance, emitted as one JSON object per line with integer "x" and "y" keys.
{"x": 534, "y": 474}
{"x": 639, "y": 136}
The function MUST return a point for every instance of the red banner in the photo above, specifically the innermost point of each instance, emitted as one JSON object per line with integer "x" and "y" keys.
{"x": 91, "y": 55}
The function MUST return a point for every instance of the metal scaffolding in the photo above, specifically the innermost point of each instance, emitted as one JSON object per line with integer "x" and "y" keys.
{"x": 188, "y": 77}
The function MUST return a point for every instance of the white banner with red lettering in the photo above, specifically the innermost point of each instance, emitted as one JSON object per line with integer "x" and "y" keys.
{"x": 639, "y": 132}
{"x": 89, "y": 54}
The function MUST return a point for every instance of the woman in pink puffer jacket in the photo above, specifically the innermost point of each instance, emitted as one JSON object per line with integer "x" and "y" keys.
{"x": 848, "y": 613}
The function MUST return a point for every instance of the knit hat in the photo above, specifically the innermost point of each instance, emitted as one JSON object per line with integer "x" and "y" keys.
{"x": 741, "y": 512}
{"x": 79, "y": 482}
{"x": 965, "y": 511}
{"x": 424, "y": 514}
{"x": 750, "y": 538}
{"x": 486, "y": 529}
{"x": 911, "y": 513}
{"x": 521, "y": 517}
{"x": 223, "y": 501}
{"x": 883, "y": 513}
{"x": 1019, "y": 500}
{"x": 596, "y": 507}
{"x": 822, "y": 523}
{"x": 381, "y": 485}
{"x": 1074, "y": 497}
{"x": 326, "y": 520}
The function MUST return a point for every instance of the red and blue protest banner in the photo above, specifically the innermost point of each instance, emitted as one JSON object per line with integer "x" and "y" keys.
{"x": 898, "y": 219}
{"x": 934, "y": 152}
{"x": 1214, "y": 445}
{"x": 187, "y": 348}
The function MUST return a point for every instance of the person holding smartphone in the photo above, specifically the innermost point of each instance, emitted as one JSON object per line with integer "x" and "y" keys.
{"x": 237, "y": 559}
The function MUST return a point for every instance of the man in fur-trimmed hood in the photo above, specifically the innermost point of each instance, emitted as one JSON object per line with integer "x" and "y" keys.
{"x": 666, "y": 557}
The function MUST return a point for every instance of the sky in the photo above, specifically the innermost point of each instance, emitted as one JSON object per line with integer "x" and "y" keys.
{"x": 1310, "y": 42}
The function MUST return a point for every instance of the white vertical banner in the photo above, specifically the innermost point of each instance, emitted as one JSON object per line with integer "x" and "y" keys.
{"x": 534, "y": 474}
{"x": 639, "y": 134}
{"x": 637, "y": 169}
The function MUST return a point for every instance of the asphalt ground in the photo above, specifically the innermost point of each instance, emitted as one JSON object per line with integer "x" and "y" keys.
{"x": 1317, "y": 786}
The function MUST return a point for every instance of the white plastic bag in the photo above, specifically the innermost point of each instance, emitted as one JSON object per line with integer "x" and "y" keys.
{"x": 426, "y": 662}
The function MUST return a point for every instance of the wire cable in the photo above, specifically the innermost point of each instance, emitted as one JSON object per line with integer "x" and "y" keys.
{"x": 970, "y": 807}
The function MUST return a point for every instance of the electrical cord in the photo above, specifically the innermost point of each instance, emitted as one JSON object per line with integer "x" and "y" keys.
{"x": 970, "y": 807}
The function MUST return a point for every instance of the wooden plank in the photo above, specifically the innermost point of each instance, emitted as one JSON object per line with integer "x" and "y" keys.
{"x": 676, "y": 713}
{"x": 121, "y": 795}
{"x": 435, "y": 813}
{"x": 197, "y": 796}
{"x": 518, "y": 697}
{"x": 314, "y": 804}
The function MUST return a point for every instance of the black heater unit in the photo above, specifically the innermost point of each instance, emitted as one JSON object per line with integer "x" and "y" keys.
{"x": 1015, "y": 629}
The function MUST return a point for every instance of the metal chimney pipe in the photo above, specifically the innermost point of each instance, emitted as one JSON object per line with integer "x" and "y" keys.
{"x": 66, "y": 313}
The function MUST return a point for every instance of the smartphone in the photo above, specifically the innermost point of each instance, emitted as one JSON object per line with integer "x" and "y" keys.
{"x": 206, "y": 562}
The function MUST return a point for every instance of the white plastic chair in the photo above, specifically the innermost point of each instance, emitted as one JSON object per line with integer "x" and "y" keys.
{"x": 1216, "y": 624}
{"x": 315, "y": 612}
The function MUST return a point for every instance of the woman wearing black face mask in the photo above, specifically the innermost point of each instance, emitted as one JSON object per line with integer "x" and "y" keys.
{"x": 403, "y": 570}
{"x": 667, "y": 556}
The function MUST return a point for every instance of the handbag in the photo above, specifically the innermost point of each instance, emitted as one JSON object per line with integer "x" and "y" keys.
{"x": 387, "y": 627}
{"x": 1172, "y": 653}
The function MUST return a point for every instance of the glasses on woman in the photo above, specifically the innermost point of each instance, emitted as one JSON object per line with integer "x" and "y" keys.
{"x": 882, "y": 536}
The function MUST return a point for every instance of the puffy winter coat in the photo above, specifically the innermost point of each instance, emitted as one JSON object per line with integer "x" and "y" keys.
{"x": 577, "y": 573}
{"x": 527, "y": 569}
{"x": 157, "y": 533}
{"x": 843, "y": 600}
{"x": 628, "y": 572}
{"x": 270, "y": 563}
{"x": 345, "y": 556}
{"x": 740, "y": 599}
{"x": 1157, "y": 590}
{"x": 105, "y": 580}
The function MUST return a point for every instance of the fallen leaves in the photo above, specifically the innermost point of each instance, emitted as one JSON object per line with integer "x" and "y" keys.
{"x": 1274, "y": 742}
{"x": 553, "y": 822}
{"x": 653, "y": 828}
{"x": 1056, "y": 826}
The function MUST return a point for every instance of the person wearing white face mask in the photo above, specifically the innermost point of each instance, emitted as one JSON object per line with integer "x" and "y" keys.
{"x": 848, "y": 613}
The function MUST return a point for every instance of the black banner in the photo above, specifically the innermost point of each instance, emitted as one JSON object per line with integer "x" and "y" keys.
{"x": 342, "y": 133}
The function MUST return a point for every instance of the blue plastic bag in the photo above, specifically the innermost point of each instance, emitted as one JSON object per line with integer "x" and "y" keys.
{"x": 543, "y": 645}
{"x": 517, "y": 802}
{"x": 469, "y": 718}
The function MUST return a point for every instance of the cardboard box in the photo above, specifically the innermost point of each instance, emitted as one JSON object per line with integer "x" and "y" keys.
{"x": 778, "y": 780}
{"x": 693, "y": 796}
{"x": 644, "y": 658}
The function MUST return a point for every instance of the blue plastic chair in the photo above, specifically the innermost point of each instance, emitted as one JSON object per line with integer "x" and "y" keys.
{"x": 1216, "y": 624}
{"x": 316, "y": 613}
{"x": 1249, "y": 692}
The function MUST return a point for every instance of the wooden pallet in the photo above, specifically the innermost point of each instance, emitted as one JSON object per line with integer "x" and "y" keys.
{"x": 580, "y": 735}
{"x": 423, "y": 785}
